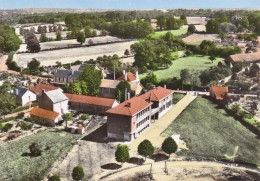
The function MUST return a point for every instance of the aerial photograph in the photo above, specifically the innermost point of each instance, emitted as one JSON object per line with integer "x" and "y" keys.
{"x": 129, "y": 90}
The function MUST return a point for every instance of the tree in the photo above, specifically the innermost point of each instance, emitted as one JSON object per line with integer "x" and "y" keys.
{"x": 94, "y": 33}
{"x": 92, "y": 79}
{"x": 127, "y": 52}
{"x": 54, "y": 178}
{"x": 121, "y": 89}
{"x": 254, "y": 70}
{"x": 161, "y": 21}
{"x": 237, "y": 67}
{"x": 169, "y": 146}
{"x": 35, "y": 149}
{"x": 226, "y": 28}
{"x": 34, "y": 67}
{"x": 58, "y": 36}
{"x": 5, "y": 87}
{"x": 122, "y": 153}
{"x": 9, "y": 41}
{"x": 78, "y": 173}
{"x": 191, "y": 29}
{"x": 90, "y": 42}
{"x": 149, "y": 80}
{"x": 43, "y": 38}
{"x": 7, "y": 103}
{"x": 81, "y": 38}
{"x": 185, "y": 76}
{"x": 145, "y": 148}
{"x": 67, "y": 117}
{"x": 207, "y": 47}
{"x": 235, "y": 107}
{"x": 33, "y": 44}
{"x": 88, "y": 32}
{"x": 58, "y": 63}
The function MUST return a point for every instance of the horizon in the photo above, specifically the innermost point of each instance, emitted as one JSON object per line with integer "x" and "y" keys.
{"x": 129, "y": 4}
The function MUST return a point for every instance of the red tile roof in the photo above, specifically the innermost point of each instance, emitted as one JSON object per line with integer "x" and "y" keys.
{"x": 99, "y": 101}
{"x": 130, "y": 77}
{"x": 43, "y": 113}
{"x": 219, "y": 91}
{"x": 156, "y": 94}
{"x": 37, "y": 89}
{"x": 130, "y": 107}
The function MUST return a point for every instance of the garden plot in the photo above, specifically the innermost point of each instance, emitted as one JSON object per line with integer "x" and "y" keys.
{"x": 71, "y": 43}
{"x": 198, "y": 38}
{"x": 197, "y": 20}
{"x": 71, "y": 55}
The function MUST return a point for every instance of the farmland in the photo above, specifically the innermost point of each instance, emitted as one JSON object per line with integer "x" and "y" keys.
{"x": 178, "y": 32}
{"x": 198, "y": 38}
{"x": 71, "y": 55}
{"x": 17, "y": 165}
{"x": 193, "y": 63}
{"x": 210, "y": 132}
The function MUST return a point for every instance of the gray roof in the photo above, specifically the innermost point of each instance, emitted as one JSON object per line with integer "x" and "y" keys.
{"x": 67, "y": 74}
{"x": 82, "y": 66}
{"x": 75, "y": 74}
{"x": 56, "y": 96}
{"x": 21, "y": 91}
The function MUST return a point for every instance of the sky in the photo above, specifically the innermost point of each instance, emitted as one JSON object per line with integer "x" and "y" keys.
{"x": 128, "y": 4}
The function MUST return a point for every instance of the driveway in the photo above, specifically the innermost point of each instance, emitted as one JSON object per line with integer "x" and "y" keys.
{"x": 154, "y": 132}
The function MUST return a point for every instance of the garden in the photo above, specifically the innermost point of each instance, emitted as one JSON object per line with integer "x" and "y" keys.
{"x": 210, "y": 133}
{"x": 178, "y": 32}
{"x": 18, "y": 164}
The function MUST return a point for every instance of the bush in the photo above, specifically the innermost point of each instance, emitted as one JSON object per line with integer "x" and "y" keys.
{"x": 78, "y": 173}
{"x": 145, "y": 148}
{"x": 11, "y": 64}
{"x": 6, "y": 127}
{"x": 84, "y": 116}
{"x": 35, "y": 149}
{"x": 25, "y": 126}
{"x": 122, "y": 153}
{"x": 20, "y": 115}
{"x": 54, "y": 178}
{"x": 169, "y": 146}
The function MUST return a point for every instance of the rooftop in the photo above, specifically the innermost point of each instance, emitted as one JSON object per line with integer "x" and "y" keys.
{"x": 37, "y": 89}
{"x": 246, "y": 57}
{"x": 156, "y": 94}
{"x": 219, "y": 91}
{"x": 130, "y": 77}
{"x": 91, "y": 100}
{"x": 43, "y": 113}
{"x": 56, "y": 96}
{"x": 130, "y": 107}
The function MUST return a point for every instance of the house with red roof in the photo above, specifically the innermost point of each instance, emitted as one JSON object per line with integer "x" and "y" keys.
{"x": 132, "y": 117}
{"x": 218, "y": 92}
{"x": 129, "y": 76}
{"x": 90, "y": 104}
{"x": 44, "y": 115}
{"x": 161, "y": 99}
{"x": 129, "y": 119}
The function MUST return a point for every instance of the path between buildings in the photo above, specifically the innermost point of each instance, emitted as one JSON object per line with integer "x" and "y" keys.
{"x": 3, "y": 66}
{"x": 154, "y": 132}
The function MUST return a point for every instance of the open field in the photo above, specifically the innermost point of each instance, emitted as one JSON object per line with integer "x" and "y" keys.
{"x": 209, "y": 132}
{"x": 178, "y": 32}
{"x": 71, "y": 55}
{"x": 16, "y": 164}
{"x": 72, "y": 42}
{"x": 193, "y": 63}
{"x": 197, "y": 20}
{"x": 198, "y": 38}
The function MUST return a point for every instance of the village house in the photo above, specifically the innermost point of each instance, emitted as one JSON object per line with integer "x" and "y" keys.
{"x": 107, "y": 88}
{"x": 54, "y": 100}
{"x": 47, "y": 115}
{"x": 129, "y": 76}
{"x": 218, "y": 92}
{"x": 90, "y": 104}
{"x": 37, "y": 89}
{"x": 63, "y": 76}
{"x": 244, "y": 58}
{"x": 24, "y": 96}
{"x": 129, "y": 119}
{"x": 161, "y": 99}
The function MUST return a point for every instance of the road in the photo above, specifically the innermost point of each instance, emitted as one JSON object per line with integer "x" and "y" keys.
{"x": 154, "y": 132}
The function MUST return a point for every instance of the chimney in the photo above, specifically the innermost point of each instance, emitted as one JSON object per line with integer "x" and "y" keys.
{"x": 128, "y": 104}
{"x": 128, "y": 95}
{"x": 165, "y": 86}
{"x": 125, "y": 75}
{"x": 43, "y": 91}
{"x": 16, "y": 92}
{"x": 137, "y": 76}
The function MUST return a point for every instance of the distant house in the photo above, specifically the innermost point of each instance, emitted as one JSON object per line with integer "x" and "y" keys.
{"x": 54, "y": 100}
{"x": 218, "y": 92}
{"x": 244, "y": 58}
{"x": 76, "y": 129}
{"x": 90, "y": 104}
{"x": 129, "y": 119}
{"x": 107, "y": 88}
{"x": 47, "y": 115}
{"x": 37, "y": 89}
{"x": 161, "y": 99}
{"x": 63, "y": 76}
{"x": 129, "y": 76}
{"x": 24, "y": 96}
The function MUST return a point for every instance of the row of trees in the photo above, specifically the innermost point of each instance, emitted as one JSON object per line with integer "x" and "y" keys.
{"x": 9, "y": 41}
{"x": 171, "y": 23}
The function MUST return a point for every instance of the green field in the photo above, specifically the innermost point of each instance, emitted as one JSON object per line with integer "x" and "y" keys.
{"x": 178, "y": 32}
{"x": 193, "y": 63}
{"x": 15, "y": 165}
{"x": 210, "y": 132}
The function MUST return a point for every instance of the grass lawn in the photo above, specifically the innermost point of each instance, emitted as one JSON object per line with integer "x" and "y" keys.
{"x": 177, "y": 97}
{"x": 210, "y": 132}
{"x": 193, "y": 63}
{"x": 15, "y": 166}
{"x": 178, "y": 32}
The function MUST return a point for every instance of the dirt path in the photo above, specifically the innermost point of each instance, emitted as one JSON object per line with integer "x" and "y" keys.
{"x": 182, "y": 170}
{"x": 3, "y": 66}
{"x": 154, "y": 132}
